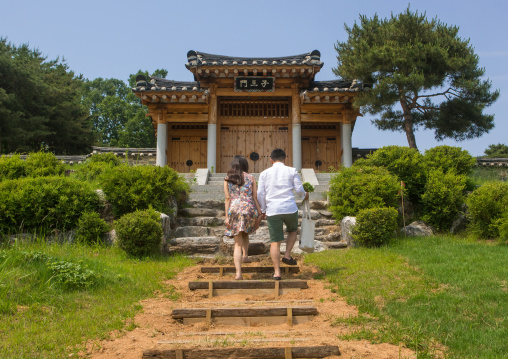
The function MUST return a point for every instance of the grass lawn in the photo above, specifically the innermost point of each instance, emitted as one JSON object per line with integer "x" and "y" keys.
{"x": 53, "y": 298}
{"x": 436, "y": 295}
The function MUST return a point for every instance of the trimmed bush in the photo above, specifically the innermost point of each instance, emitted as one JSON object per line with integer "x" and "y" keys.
{"x": 12, "y": 167}
{"x": 91, "y": 228}
{"x": 443, "y": 198}
{"x": 96, "y": 165}
{"x": 403, "y": 162}
{"x": 109, "y": 158}
{"x": 139, "y": 233}
{"x": 43, "y": 164}
{"x": 139, "y": 187}
{"x": 375, "y": 226}
{"x": 502, "y": 225}
{"x": 486, "y": 205}
{"x": 44, "y": 204}
{"x": 449, "y": 158}
{"x": 357, "y": 188}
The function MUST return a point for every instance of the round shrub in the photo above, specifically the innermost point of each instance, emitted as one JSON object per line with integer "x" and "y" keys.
{"x": 375, "y": 226}
{"x": 139, "y": 233}
{"x": 405, "y": 163}
{"x": 43, "y": 164}
{"x": 449, "y": 158}
{"x": 109, "y": 158}
{"x": 443, "y": 198}
{"x": 44, "y": 203}
{"x": 12, "y": 167}
{"x": 139, "y": 187}
{"x": 357, "y": 188}
{"x": 486, "y": 205}
{"x": 91, "y": 228}
{"x": 96, "y": 165}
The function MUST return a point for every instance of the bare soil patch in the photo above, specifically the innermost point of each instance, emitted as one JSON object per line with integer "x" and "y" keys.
{"x": 156, "y": 329}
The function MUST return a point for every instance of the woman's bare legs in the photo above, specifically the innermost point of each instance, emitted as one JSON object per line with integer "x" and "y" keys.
{"x": 245, "y": 248}
{"x": 237, "y": 255}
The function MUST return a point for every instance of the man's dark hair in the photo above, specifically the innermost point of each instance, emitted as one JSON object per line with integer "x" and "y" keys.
{"x": 278, "y": 154}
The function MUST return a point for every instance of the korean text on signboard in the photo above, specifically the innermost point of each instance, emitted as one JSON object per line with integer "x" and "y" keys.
{"x": 254, "y": 84}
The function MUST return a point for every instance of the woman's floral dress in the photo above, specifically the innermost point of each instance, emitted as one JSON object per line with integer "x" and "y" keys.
{"x": 242, "y": 212}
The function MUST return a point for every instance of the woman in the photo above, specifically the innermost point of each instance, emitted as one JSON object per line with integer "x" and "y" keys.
{"x": 242, "y": 209}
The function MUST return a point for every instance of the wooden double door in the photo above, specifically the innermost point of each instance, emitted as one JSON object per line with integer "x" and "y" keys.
{"x": 254, "y": 142}
{"x": 187, "y": 147}
{"x": 321, "y": 147}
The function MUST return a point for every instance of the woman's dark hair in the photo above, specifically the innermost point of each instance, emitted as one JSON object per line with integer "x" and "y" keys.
{"x": 239, "y": 165}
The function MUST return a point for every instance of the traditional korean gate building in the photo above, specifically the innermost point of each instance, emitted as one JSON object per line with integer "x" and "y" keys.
{"x": 249, "y": 106}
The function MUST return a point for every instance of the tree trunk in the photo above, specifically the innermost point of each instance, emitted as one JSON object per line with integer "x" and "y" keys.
{"x": 408, "y": 124}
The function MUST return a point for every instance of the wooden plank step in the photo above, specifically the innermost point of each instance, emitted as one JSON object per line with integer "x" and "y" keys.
{"x": 250, "y": 284}
{"x": 230, "y": 269}
{"x": 321, "y": 351}
{"x": 180, "y": 313}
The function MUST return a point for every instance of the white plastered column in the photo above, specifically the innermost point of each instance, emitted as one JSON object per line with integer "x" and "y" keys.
{"x": 297, "y": 146}
{"x": 347, "y": 149}
{"x": 162, "y": 144}
{"x": 211, "y": 147}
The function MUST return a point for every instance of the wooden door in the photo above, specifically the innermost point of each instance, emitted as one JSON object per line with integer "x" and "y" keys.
{"x": 187, "y": 147}
{"x": 321, "y": 147}
{"x": 254, "y": 142}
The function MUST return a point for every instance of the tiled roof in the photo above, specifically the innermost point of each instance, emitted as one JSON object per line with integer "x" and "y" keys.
{"x": 160, "y": 84}
{"x": 197, "y": 59}
{"x": 336, "y": 86}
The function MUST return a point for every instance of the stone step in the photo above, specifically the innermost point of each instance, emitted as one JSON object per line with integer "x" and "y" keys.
{"x": 194, "y": 231}
{"x": 200, "y": 221}
{"x": 251, "y": 269}
{"x": 193, "y": 245}
{"x": 201, "y": 212}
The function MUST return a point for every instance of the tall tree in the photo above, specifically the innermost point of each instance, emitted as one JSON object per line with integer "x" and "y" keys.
{"x": 40, "y": 104}
{"x": 423, "y": 66}
{"x": 119, "y": 119}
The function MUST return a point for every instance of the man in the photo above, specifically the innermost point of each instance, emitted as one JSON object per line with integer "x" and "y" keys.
{"x": 278, "y": 206}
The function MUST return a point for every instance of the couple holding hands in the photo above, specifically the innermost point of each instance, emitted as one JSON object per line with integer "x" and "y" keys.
{"x": 247, "y": 204}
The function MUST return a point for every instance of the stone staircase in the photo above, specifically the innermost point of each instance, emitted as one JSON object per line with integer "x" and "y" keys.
{"x": 199, "y": 229}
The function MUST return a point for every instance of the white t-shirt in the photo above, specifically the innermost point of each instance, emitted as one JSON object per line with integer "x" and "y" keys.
{"x": 275, "y": 189}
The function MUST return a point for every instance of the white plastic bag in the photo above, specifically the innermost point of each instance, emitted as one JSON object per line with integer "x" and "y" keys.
{"x": 307, "y": 232}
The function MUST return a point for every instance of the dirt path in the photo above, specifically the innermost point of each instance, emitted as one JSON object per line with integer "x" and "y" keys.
{"x": 155, "y": 324}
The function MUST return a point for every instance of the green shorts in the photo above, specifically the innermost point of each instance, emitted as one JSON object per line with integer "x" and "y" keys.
{"x": 275, "y": 225}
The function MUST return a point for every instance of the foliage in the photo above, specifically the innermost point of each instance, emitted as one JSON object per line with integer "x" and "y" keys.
{"x": 43, "y": 164}
{"x": 424, "y": 66}
{"x": 44, "y": 204}
{"x": 357, "y": 188}
{"x": 39, "y": 315}
{"x": 502, "y": 226}
{"x": 443, "y": 198}
{"x": 40, "y": 104}
{"x": 118, "y": 117}
{"x": 96, "y": 165}
{"x": 91, "y": 227}
{"x": 375, "y": 226}
{"x": 449, "y": 158}
{"x": 139, "y": 233}
{"x": 497, "y": 151}
{"x": 486, "y": 205}
{"x": 139, "y": 187}
{"x": 403, "y": 162}
{"x": 12, "y": 167}
{"x": 308, "y": 187}
{"x": 441, "y": 297}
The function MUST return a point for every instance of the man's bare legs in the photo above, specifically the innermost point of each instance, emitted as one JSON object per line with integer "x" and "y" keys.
{"x": 275, "y": 255}
{"x": 290, "y": 243}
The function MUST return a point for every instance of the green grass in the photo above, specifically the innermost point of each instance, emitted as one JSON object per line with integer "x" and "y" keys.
{"x": 436, "y": 295}
{"x": 49, "y": 310}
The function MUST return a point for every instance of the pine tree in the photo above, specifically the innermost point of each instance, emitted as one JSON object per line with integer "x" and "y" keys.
{"x": 423, "y": 66}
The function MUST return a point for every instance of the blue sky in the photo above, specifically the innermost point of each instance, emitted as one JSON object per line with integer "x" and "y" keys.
{"x": 114, "y": 38}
